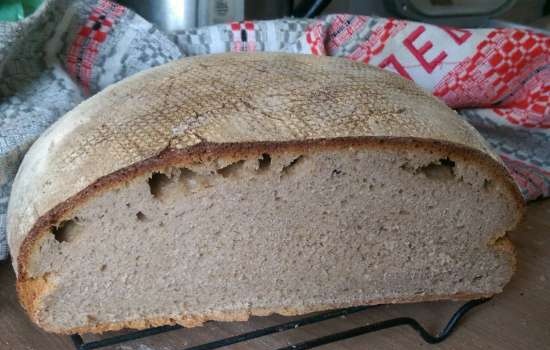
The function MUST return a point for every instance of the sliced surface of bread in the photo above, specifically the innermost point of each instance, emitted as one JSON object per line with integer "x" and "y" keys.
{"x": 224, "y": 186}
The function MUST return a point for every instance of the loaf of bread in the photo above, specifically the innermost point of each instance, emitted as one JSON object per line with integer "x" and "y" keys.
{"x": 224, "y": 186}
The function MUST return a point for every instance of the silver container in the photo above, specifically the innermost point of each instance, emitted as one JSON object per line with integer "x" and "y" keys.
{"x": 172, "y": 15}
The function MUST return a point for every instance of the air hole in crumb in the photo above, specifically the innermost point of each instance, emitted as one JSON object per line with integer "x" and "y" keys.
{"x": 64, "y": 232}
{"x": 440, "y": 170}
{"x": 156, "y": 183}
{"x": 287, "y": 169}
{"x": 231, "y": 169}
{"x": 186, "y": 174}
{"x": 140, "y": 216}
{"x": 264, "y": 162}
{"x": 103, "y": 268}
{"x": 487, "y": 184}
{"x": 336, "y": 172}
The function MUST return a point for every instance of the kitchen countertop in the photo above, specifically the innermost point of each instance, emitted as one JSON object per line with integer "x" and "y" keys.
{"x": 519, "y": 318}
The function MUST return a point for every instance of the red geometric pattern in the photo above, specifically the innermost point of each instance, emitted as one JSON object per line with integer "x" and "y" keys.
{"x": 530, "y": 105}
{"x": 315, "y": 38}
{"x": 532, "y": 180}
{"x": 524, "y": 117}
{"x": 495, "y": 69}
{"x": 377, "y": 40}
{"x": 244, "y": 37}
{"x": 460, "y": 36}
{"x": 85, "y": 47}
{"x": 342, "y": 29}
{"x": 420, "y": 52}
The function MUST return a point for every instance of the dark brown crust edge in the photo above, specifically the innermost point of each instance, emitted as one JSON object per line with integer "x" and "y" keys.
{"x": 30, "y": 289}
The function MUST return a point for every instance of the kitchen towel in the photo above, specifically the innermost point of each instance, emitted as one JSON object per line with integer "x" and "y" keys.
{"x": 497, "y": 79}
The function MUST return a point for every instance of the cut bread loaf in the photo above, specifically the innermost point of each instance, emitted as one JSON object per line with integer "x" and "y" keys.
{"x": 219, "y": 187}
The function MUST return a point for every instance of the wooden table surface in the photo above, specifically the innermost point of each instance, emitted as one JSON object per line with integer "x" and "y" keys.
{"x": 519, "y": 318}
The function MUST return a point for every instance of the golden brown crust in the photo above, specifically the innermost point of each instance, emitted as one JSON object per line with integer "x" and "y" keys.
{"x": 503, "y": 244}
{"x": 30, "y": 290}
{"x": 190, "y": 321}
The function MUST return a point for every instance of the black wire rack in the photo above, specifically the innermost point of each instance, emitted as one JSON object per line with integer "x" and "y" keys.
{"x": 309, "y": 344}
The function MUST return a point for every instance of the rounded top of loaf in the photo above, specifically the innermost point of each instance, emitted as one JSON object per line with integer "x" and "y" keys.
{"x": 218, "y": 99}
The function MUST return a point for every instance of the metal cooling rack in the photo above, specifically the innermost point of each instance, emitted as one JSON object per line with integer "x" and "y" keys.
{"x": 309, "y": 344}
